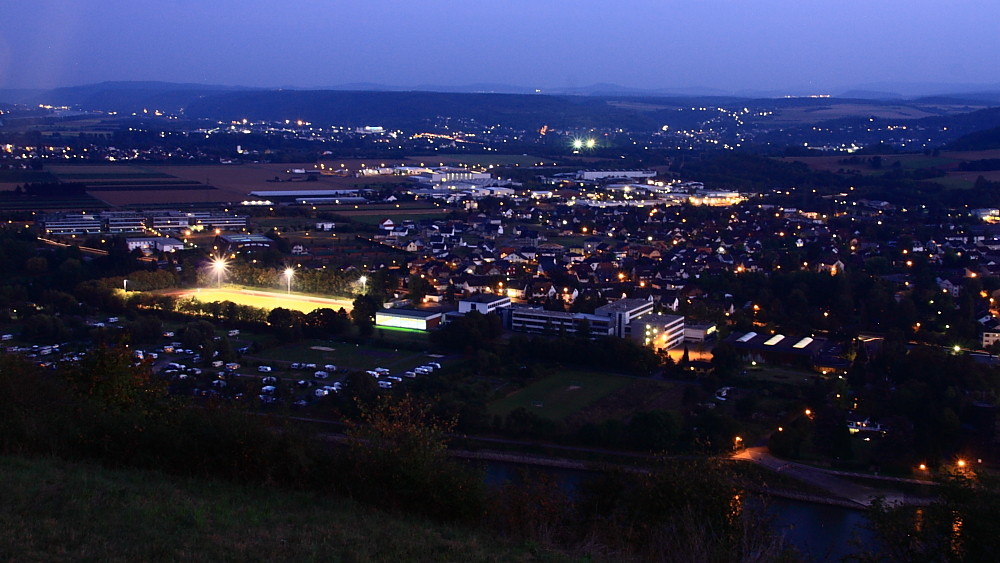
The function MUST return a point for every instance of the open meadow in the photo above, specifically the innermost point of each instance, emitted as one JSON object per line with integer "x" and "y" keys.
{"x": 558, "y": 396}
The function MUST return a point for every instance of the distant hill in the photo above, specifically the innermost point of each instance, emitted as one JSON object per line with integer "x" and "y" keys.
{"x": 123, "y": 97}
{"x": 986, "y": 139}
{"x": 525, "y": 111}
{"x": 412, "y": 109}
{"x": 618, "y": 107}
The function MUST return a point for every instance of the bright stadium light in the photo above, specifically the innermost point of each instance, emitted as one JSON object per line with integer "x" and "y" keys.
{"x": 219, "y": 266}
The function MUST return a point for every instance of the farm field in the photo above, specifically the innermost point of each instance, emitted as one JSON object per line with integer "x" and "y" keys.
{"x": 947, "y": 161}
{"x": 375, "y": 216}
{"x": 485, "y": 160}
{"x": 127, "y": 185}
{"x": 266, "y": 299}
{"x": 559, "y": 396}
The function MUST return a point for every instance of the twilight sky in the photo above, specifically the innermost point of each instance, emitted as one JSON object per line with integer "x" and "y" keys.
{"x": 802, "y": 45}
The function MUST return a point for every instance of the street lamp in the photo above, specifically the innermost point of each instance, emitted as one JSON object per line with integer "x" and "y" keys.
{"x": 364, "y": 282}
{"x": 219, "y": 267}
{"x": 125, "y": 285}
{"x": 289, "y": 272}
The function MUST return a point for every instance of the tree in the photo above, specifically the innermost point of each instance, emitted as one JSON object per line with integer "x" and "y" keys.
{"x": 363, "y": 314}
{"x": 286, "y": 323}
{"x": 960, "y": 526}
{"x": 419, "y": 288}
{"x": 725, "y": 359}
{"x": 399, "y": 460}
{"x": 109, "y": 376}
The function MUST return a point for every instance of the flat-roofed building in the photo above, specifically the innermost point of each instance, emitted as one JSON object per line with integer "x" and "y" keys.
{"x": 660, "y": 332}
{"x": 154, "y": 244}
{"x": 71, "y": 224}
{"x": 807, "y": 351}
{"x": 605, "y": 174}
{"x": 539, "y": 321}
{"x": 483, "y": 302}
{"x": 623, "y": 312}
{"x": 415, "y": 319}
{"x": 124, "y": 222}
{"x": 220, "y": 221}
{"x": 700, "y": 332}
{"x": 242, "y": 243}
{"x": 169, "y": 221}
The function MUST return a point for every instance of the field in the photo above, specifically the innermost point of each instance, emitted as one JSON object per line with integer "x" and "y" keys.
{"x": 58, "y": 511}
{"x": 343, "y": 355}
{"x": 164, "y": 185}
{"x": 485, "y": 160}
{"x": 812, "y": 114}
{"x": 266, "y": 299}
{"x": 788, "y": 376}
{"x": 946, "y": 161}
{"x": 558, "y": 396}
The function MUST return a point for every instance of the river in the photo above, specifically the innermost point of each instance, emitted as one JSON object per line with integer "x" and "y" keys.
{"x": 820, "y": 532}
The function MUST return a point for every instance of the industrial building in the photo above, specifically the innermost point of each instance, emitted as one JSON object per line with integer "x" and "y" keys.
{"x": 414, "y": 319}
{"x": 593, "y": 175}
{"x": 154, "y": 244}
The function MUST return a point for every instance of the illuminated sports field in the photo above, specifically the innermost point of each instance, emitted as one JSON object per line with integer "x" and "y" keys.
{"x": 267, "y": 299}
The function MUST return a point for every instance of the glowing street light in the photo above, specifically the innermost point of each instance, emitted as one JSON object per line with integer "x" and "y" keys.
{"x": 364, "y": 283}
{"x": 289, "y": 274}
{"x": 125, "y": 285}
{"x": 219, "y": 266}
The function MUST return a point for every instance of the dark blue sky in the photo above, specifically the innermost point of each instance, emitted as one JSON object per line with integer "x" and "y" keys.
{"x": 802, "y": 45}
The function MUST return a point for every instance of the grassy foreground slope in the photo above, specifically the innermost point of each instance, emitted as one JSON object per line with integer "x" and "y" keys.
{"x": 53, "y": 510}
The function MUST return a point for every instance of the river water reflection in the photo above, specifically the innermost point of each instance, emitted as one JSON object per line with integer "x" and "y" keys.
{"x": 820, "y": 532}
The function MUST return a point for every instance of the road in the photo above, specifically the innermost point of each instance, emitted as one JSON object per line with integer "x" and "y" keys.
{"x": 834, "y": 482}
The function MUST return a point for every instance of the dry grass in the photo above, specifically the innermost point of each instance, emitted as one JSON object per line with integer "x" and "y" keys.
{"x": 59, "y": 511}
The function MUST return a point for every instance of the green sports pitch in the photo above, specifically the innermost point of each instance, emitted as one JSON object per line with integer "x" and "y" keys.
{"x": 267, "y": 299}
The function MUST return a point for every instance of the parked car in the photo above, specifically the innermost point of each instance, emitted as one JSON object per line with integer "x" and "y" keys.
{"x": 264, "y": 369}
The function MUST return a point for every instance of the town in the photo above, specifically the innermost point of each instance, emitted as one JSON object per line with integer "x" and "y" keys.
{"x": 832, "y": 311}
